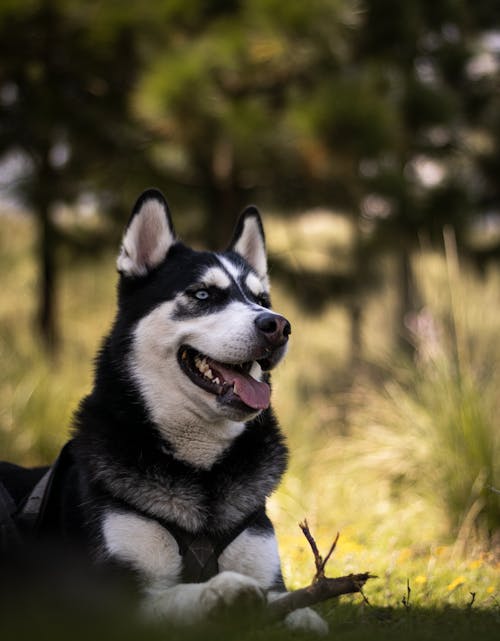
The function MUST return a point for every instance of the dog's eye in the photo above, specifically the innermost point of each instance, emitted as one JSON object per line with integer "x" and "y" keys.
{"x": 201, "y": 294}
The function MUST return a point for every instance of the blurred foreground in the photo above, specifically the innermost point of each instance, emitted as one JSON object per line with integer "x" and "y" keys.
{"x": 401, "y": 456}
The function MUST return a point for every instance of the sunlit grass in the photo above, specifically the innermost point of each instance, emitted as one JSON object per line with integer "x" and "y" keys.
{"x": 366, "y": 457}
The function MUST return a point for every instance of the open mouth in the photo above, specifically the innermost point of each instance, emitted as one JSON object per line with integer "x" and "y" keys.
{"x": 230, "y": 382}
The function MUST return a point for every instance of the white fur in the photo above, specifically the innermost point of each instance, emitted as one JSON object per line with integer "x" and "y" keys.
{"x": 302, "y": 619}
{"x": 198, "y": 427}
{"x": 146, "y": 241}
{"x": 254, "y": 284}
{"x": 143, "y": 543}
{"x": 250, "y": 245}
{"x": 216, "y": 277}
{"x": 233, "y": 269}
{"x": 194, "y": 602}
{"x": 306, "y": 620}
{"x": 254, "y": 555}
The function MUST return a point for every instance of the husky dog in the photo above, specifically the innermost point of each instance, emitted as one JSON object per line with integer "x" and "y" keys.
{"x": 176, "y": 449}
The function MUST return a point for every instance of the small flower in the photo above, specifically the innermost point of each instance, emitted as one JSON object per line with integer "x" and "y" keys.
{"x": 404, "y": 555}
{"x": 456, "y": 582}
{"x": 420, "y": 579}
{"x": 490, "y": 589}
{"x": 473, "y": 565}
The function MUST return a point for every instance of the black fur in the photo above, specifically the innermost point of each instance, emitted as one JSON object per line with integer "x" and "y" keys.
{"x": 118, "y": 457}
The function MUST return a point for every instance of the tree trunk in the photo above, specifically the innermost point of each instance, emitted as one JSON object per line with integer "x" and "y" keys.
{"x": 45, "y": 187}
{"x": 223, "y": 196}
{"x": 47, "y": 266}
{"x": 355, "y": 307}
{"x": 356, "y": 318}
{"x": 407, "y": 302}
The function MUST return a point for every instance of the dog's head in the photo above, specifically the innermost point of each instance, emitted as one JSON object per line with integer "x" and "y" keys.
{"x": 203, "y": 334}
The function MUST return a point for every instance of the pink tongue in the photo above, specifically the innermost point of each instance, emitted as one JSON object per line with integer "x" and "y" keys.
{"x": 251, "y": 392}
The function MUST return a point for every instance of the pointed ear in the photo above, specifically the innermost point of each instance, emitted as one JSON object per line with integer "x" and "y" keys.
{"x": 148, "y": 236}
{"x": 249, "y": 241}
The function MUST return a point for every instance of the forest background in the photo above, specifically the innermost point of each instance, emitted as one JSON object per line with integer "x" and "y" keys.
{"x": 368, "y": 133}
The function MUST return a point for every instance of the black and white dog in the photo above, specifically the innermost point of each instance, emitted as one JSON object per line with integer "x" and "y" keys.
{"x": 176, "y": 448}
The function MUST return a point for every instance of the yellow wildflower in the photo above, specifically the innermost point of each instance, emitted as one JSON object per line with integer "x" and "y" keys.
{"x": 420, "y": 579}
{"x": 441, "y": 549}
{"x": 490, "y": 589}
{"x": 456, "y": 582}
{"x": 404, "y": 555}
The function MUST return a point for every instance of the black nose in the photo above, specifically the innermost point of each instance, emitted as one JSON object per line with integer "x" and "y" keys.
{"x": 275, "y": 328}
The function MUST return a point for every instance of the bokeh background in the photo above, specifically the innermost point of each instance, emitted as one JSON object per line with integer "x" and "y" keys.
{"x": 368, "y": 133}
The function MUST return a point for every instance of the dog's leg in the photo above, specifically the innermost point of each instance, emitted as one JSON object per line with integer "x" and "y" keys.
{"x": 303, "y": 619}
{"x": 255, "y": 553}
{"x": 250, "y": 567}
{"x": 195, "y": 602}
{"x": 151, "y": 550}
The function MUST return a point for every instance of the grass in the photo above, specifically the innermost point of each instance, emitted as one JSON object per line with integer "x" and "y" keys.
{"x": 374, "y": 460}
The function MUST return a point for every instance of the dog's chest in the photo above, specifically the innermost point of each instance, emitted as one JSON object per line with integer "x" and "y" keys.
{"x": 205, "y": 501}
{"x": 153, "y": 551}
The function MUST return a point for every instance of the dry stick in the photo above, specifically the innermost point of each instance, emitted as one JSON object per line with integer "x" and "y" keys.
{"x": 330, "y": 551}
{"x": 321, "y": 589}
{"x": 319, "y": 562}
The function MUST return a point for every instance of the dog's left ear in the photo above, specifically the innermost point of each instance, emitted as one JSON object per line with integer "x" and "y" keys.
{"x": 249, "y": 241}
{"x": 148, "y": 236}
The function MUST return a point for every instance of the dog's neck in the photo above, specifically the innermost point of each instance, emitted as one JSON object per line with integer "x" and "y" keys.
{"x": 199, "y": 443}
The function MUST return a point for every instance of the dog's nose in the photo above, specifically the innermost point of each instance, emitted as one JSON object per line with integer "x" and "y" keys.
{"x": 275, "y": 328}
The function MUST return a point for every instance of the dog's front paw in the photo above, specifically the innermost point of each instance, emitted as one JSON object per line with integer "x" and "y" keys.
{"x": 306, "y": 620}
{"x": 231, "y": 590}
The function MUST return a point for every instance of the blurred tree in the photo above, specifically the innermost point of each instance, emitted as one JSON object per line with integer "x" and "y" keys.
{"x": 66, "y": 72}
{"x": 221, "y": 96}
{"x": 427, "y": 177}
{"x": 399, "y": 119}
{"x": 368, "y": 106}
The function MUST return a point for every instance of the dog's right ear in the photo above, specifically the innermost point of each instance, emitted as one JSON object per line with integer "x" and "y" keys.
{"x": 148, "y": 236}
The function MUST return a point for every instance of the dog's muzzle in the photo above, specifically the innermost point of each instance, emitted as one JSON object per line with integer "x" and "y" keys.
{"x": 273, "y": 328}
{"x": 232, "y": 383}
{"x": 273, "y": 331}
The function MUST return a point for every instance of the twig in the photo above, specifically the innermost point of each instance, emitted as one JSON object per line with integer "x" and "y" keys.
{"x": 321, "y": 590}
{"x": 406, "y": 598}
{"x": 363, "y": 595}
{"x": 330, "y": 551}
{"x": 319, "y": 562}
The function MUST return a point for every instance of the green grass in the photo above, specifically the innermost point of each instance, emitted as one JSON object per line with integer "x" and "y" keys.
{"x": 382, "y": 460}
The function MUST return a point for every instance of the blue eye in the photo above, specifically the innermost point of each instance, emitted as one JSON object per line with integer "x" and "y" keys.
{"x": 201, "y": 294}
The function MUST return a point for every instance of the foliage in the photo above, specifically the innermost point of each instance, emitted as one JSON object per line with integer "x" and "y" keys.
{"x": 65, "y": 80}
{"x": 385, "y": 110}
{"x": 434, "y": 426}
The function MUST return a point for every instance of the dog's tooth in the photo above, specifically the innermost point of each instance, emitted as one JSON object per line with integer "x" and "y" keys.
{"x": 216, "y": 380}
{"x": 209, "y": 374}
